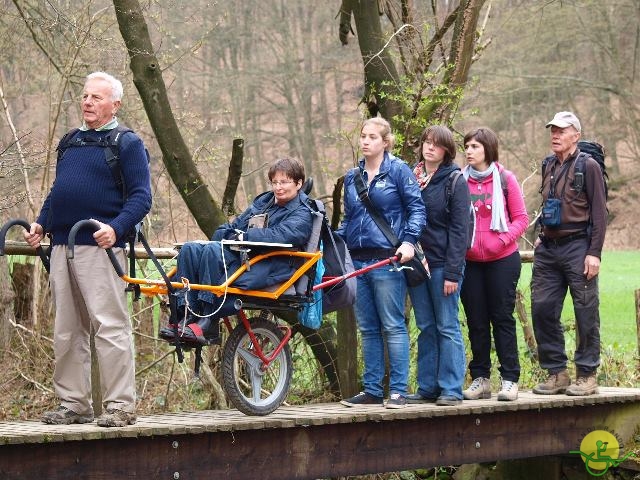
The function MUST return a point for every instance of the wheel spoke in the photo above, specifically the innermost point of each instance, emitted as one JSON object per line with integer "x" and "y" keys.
{"x": 254, "y": 388}
{"x": 254, "y": 362}
{"x": 256, "y": 385}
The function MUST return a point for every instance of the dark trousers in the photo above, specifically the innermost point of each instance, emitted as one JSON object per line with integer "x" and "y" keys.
{"x": 488, "y": 297}
{"x": 556, "y": 269}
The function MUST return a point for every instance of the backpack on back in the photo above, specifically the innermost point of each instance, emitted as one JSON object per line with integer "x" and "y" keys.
{"x": 595, "y": 151}
{"x": 111, "y": 145}
{"x": 337, "y": 262}
{"x": 587, "y": 149}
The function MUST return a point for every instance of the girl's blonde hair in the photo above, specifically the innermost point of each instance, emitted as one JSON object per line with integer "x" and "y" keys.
{"x": 385, "y": 130}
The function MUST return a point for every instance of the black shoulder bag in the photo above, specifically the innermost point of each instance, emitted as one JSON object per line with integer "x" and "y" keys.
{"x": 415, "y": 273}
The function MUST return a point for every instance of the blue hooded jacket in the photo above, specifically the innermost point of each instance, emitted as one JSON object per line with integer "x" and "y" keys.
{"x": 395, "y": 193}
{"x": 289, "y": 223}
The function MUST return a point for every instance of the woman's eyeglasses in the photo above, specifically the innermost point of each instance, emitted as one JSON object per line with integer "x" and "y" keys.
{"x": 282, "y": 183}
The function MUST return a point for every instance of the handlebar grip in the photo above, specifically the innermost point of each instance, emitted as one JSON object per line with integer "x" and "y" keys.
{"x": 5, "y": 229}
{"x": 95, "y": 226}
{"x": 23, "y": 223}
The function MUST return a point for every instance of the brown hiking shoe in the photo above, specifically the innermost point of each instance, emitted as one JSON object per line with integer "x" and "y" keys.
{"x": 116, "y": 418}
{"x": 64, "y": 416}
{"x": 584, "y": 385}
{"x": 554, "y": 384}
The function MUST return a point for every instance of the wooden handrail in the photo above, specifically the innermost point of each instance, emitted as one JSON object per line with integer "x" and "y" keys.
{"x": 23, "y": 248}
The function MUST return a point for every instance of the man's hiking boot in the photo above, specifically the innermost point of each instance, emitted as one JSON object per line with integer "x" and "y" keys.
{"x": 479, "y": 388}
{"x": 554, "y": 384}
{"x": 64, "y": 416}
{"x": 116, "y": 418}
{"x": 508, "y": 392}
{"x": 584, "y": 385}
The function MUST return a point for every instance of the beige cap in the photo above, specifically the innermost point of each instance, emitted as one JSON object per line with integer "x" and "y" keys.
{"x": 564, "y": 120}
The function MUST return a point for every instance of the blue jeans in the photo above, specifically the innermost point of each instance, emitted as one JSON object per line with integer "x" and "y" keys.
{"x": 380, "y": 315}
{"x": 441, "y": 356}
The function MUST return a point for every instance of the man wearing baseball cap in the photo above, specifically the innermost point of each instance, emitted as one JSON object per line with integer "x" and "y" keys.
{"x": 567, "y": 256}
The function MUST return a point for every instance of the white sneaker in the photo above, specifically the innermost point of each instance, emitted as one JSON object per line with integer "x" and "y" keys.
{"x": 509, "y": 391}
{"x": 479, "y": 388}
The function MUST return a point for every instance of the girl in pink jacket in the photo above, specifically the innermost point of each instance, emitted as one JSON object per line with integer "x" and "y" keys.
{"x": 493, "y": 266}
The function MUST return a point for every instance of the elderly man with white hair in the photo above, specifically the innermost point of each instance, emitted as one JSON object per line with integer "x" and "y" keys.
{"x": 567, "y": 256}
{"x": 87, "y": 292}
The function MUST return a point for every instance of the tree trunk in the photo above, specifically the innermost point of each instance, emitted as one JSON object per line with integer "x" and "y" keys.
{"x": 235, "y": 172}
{"x": 7, "y": 297}
{"x": 323, "y": 345}
{"x": 460, "y": 57}
{"x": 147, "y": 77}
{"x": 380, "y": 74}
{"x": 347, "y": 353}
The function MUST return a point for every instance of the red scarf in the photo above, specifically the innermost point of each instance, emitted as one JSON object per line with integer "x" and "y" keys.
{"x": 422, "y": 175}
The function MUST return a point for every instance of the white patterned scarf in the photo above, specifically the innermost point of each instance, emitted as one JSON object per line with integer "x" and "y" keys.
{"x": 498, "y": 217}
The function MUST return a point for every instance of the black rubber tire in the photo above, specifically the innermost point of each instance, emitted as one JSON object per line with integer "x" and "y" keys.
{"x": 252, "y": 391}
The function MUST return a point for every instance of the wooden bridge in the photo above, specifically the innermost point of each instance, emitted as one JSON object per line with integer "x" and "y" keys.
{"x": 316, "y": 440}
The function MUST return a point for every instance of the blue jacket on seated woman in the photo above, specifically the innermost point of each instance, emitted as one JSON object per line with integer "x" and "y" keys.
{"x": 201, "y": 262}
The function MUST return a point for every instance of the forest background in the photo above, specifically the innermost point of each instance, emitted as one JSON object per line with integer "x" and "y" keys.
{"x": 281, "y": 78}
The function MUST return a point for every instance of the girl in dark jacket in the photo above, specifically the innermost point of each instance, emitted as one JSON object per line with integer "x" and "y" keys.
{"x": 441, "y": 355}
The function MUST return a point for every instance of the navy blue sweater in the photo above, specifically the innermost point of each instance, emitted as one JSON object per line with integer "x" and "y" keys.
{"x": 85, "y": 188}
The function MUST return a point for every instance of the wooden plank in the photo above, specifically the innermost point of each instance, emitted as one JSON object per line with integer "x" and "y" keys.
{"x": 316, "y": 440}
{"x": 289, "y": 417}
{"x": 307, "y": 452}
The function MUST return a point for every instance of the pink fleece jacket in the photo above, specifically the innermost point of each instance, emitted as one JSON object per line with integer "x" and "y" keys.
{"x": 489, "y": 245}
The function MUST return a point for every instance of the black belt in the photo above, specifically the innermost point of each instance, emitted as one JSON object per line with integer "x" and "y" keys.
{"x": 558, "y": 242}
{"x": 372, "y": 253}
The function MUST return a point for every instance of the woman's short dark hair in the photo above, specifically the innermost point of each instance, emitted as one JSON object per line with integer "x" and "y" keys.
{"x": 291, "y": 167}
{"x": 442, "y": 137}
{"x": 488, "y": 139}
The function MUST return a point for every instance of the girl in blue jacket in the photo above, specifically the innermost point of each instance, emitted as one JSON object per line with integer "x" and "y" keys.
{"x": 379, "y": 307}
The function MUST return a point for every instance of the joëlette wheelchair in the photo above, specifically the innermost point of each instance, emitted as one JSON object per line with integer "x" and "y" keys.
{"x": 256, "y": 359}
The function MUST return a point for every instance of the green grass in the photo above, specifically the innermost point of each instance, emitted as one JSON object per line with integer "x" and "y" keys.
{"x": 619, "y": 279}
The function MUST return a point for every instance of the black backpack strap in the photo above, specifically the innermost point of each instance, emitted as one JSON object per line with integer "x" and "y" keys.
{"x": 543, "y": 167}
{"x": 112, "y": 156}
{"x": 504, "y": 183}
{"x": 65, "y": 142}
{"x": 363, "y": 194}
{"x": 580, "y": 166}
{"x": 450, "y": 188}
